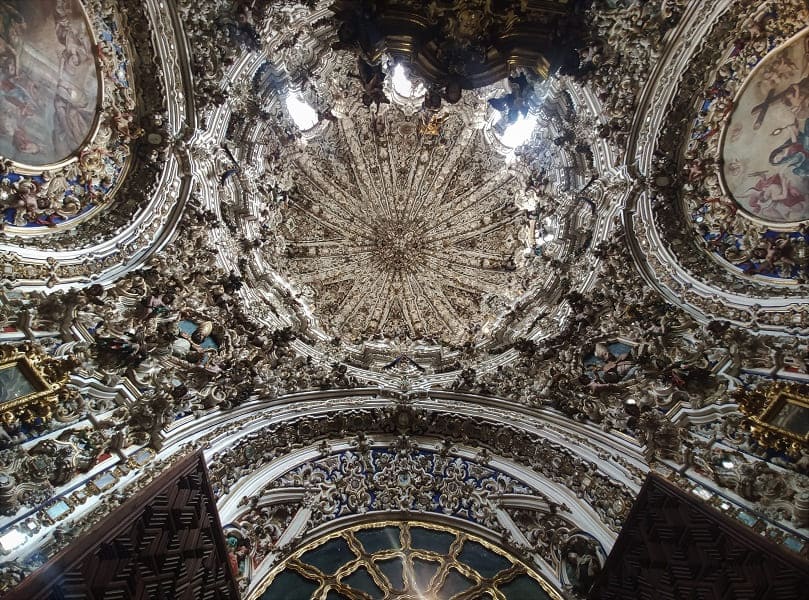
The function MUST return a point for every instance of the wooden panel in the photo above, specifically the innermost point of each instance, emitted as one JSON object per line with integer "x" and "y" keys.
{"x": 166, "y": 543}
{"x": 674, "y": 546}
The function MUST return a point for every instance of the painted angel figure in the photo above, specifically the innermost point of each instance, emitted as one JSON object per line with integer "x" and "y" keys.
{"x": 794, "y": 152}
{"x": 775, "y": 197}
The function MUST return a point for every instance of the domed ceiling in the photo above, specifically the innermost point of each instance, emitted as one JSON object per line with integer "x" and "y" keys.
{"x": 401, "y": 234}
{"x": 388, "y": 227}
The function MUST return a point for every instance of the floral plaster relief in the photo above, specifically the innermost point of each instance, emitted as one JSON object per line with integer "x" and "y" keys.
{"x": 766, "y": 148}
{"x": 49, "y": 84}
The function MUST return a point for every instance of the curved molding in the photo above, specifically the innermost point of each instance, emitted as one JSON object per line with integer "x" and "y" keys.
{"x": 659, "y": 267}
{"x": 154, "y": 225}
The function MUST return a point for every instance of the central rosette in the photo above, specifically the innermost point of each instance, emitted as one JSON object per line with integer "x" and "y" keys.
{"x": 399, "y": 246}
{"x": 395, "y": 234}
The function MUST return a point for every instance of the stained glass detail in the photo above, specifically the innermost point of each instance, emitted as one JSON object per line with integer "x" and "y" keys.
{"x": 484, "y": 561}
{"x": 523, "y": 587}
{"x": 455, "y": 583}
{"x": 330, "y": 556}
{"x": 424, "y": 572}
{"x": 361, "y": 580}
{"x": 397, "y": 560}
{"x": 393, "y": 570}
{"x": 381, "y": 538}
{"x": 429, "y": 539}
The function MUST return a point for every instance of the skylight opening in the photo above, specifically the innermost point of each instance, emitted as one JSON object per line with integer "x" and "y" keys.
{"x": 519, "y": 132}
{"x": 542, "y": 237}
{"x": 11, "y": 540}
{"x": 304, "y": 116}
{"x": 403, "y": 86}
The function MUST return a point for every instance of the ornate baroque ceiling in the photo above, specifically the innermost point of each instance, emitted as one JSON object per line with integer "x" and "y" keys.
{"x": 419, "y": 238}
{"x": 397, "y": 307}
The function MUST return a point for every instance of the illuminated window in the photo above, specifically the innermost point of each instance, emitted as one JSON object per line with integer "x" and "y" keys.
{"x": 519, "y": 131}
{"x": 304, "y": 116}
{"x": 396, "y": 560}
{"x": 403, "y": 86}
{"x": 12, "y": 539}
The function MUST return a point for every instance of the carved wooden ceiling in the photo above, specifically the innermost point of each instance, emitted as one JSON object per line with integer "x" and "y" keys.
{"x": 672, "y": 546}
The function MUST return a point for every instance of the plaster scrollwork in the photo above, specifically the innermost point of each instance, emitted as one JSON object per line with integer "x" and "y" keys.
{"x": 638, "y": 376}
{"x": 399, "y": 478}
{"x": 643, "y": 341}
{"x": 576, "y": 556}
{"x": 548, "y": 460}
{"x": 626, "y": 39}
{"x": 221, "y": 31}
{"x": 254, "y": 535}
{"x": 403, "y": 475}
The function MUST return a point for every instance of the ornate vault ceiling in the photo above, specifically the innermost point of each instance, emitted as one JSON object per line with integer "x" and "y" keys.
{"x": 397, "y": 228}
{"x": 395, "y": 308}
{"x": 404, "y": 235}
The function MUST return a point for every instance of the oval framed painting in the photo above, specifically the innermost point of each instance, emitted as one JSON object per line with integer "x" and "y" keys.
{"x": 765, "y": 144}
{"x": 50, "y": 83}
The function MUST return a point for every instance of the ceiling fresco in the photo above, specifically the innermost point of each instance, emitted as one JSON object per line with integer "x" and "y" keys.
{"x": 50, "y": 85}
{"x": 54, "y": 109}
{"x": 765, "y": 154}
{"x": 717, "y": 102}
{"x": 368, "y": 294}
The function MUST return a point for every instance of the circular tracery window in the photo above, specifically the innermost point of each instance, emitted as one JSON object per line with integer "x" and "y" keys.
{"x": 403, "y": 561}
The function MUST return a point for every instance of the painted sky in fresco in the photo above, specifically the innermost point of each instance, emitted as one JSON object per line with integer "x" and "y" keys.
{"x": 48, "y": 80}
{"x": 766, "y": 148}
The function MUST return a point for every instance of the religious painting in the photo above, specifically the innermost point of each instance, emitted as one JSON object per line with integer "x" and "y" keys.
{"x": 14, "y": 383}
{"x": 765, "y": 152}
{"x": 778, "y": 416}
{"x": 49, "y": 84}
{"x": 30, "y": 386}
{"x": 790, "y": 414}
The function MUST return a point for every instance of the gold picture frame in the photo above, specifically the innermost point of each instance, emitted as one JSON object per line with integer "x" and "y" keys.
{"x": 778, "y": 416}
{"x": 30, "y": 383}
